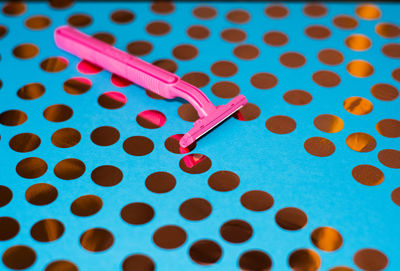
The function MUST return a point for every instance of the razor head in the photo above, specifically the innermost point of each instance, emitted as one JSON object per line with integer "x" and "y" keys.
{"x": 205, "y": 124}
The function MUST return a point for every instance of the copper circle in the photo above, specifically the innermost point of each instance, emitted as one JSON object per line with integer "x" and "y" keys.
{"x": 25, "y": 51}
{"x": 225, "y": 89}
{"x": 238, "y": 16}
{"x": 172, "y": 144}
{"x": 197, "y": 79}
{"x": 246, "y": 51}
{"x": 205, "y": 252}
{"x": 318, "y": 32}
{"x": 166, "y": 64}
{"x": 151, "y": 119}
{"x": 233, "y": 35}
{"x": 54, "y": 64}
{"x": 69, "y": 169}
{"x": 47, "y": 230}
{"x": 104, "y": 136}
{"x": 97, "y": 239}
{"x": 86, "y": 205}
{"x": 389, "y": 128}
{"x": 79, "y": 20}
{"x": 341, "y": 268}
{"x": 162, "y": 7}
{"x": 384, "y": 92}
{"x": 122, "y": 16}
{"x": 61, "y": 265}
{"x": 319, "y": 146}
{"x": 291, "y": 218}
{"x": 328, "y": 123}
{"x": 14, "y": 8}
{"x": 41, "y": 194}
{"x": 65, "y": 137}
{"x": 138, "y": 262}
{"x": 31, "y": 91}
{"x": 276, "y": 11}
{"x": 158, "y": 28}
{"x": 326, "y": 79}
{"x": 24, "y": 142}
{"x": 257, "y": 200}
{"x": 326, "y": 238}
{"x": 204, "y": 12}
{"x": 304, "y": 259}
{"x": 195, "y": 209}
{"x": 330, "y": 57}
{"x": 112, "y": 100}
{"x": 255, "y": 260}
{"x": 280, "y": 125}
{"x": 185, "y": 52}
{"x": 263, "y": 80}
{"x": 87, "y": 67}
{"x": 223, "y": 181}
{"x": 138, "y": 145}
{"x": 187, "y": 112}
{"x": 236, "y": 231}
{"x": 292, "y": 60}
{"x": 195, "y": 163}
{"x": 395, "y": 195}
{"x": 357, "y": 105}
{"x": 358, "y": 42}
{"x": 248, "y": 112}
{"x": 107, "y": 175}
{"x": 391, "y": 50}
{"x": 198, "y": 32}
{"x": 368, "y": 175}
{"x": 105, "y": 37}
{"x": 275, "y": 38}
{"x": 387, "y": 30}
{"x": 160, "y": 182}
{"x": 370, "y": 259}
{"x": 139, "y": 48}
{"x": 361, "y": 142}
{"x": 119, "y": 81}
{"x": 61, "y": 4}
{"x": 3, "y": 31}
{"x": 389, "y": 158}
{"x": 345, "y": 22}
{"x": 6, "y": 195}
{"x": 315, "y": 10}
{"x": 9, "y": 228}
{"x": 137, "y": 213}
{"x": 297, "y": 97}
{"x": 19, "y": 257}
{"x": 58, "y": 113}
{"x": 13, "y": 117}
{"x": 31, "y": 168}
{"x": 37, "y": 22}
{"x": 169, "y": 237}
{"x": 224, "y": 68}
{"x": 368, "y": 12}
{"x": 77, "y": 85}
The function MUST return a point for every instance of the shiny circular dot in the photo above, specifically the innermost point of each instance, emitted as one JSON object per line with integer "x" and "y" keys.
{"x": 280, "y": 124}
{"x": 47, "y": 230}
{"x": 97, "y": 239}
{"x": 197, "y": 79}
{"x": 106, "y": 175}
{"x": 387, "y": 30}
{"x": 160, "y": 182}
{"x": 315, "y": 10}
{"x": 112, "y": 100}
{"x": 248, "y": 112}
{"x": 31, "y": 91}
{"x": 137, "y": 213}
{"x": 3, "y": 31}
{"x": 105, "y": 136}
{"x": 14, "y": 8}
{"x": 69, "y": 169}
{"x": 238, "y": 16}
{"x": 139, "y": 48}
{"x": 6, "y": 195}
{"x": 345, "y": 22}
{"x": 370, "y": 259}
{"x": 162, "y": 7}
{"x": 204, "y": 12}
{"x": 330, "y": 57}
{"x": 169, "y": 237}
{"x": 368, "y": 12}
{"x": 9, "y": 228}
{"x": 341, "y": 268}
{"x": 79, "y": 20}
{"x": 41, "y": 194}
{"x": 172, "y": 144}
{"x": 25, "y": 51}
{"x": 384, "y": 92}
{"x": 225, "y": 89}
{"x": 31, "y": 168}
{"x": 263, "y": 80}
{"x": 195, "y": 163}
{"x": 292, "y": 60}
{"x": 256, "y": 260}
{"x": 119, "y": 81}
{"x": 257, "y": 200}
{"x": 304, "y": 259}
{"x": 195, "y": 209}
{"x": 357, "y": 105}
{"x": 358, "y": 42}
{"x": 122, "y": 16}
{"x": 185, "y": 52}
{"x": 58, "y": 113}
{"x": 77, "y": 85}
{"x": 297, "y": 97}
{"x": 326, "y": 238}
{"x": 158, "y": 28}
{"x": 368, "y": 175}
{"x": 389, "y": 158}
{"x": 391, "y": 50}
{"x": 86, "y": 205}
{"x": 236, "y": 231}
{"x": 326, "y": 79}
{"x": 87, "y": 67}
{"x": 205, "y": 252}
{"x": 223, "y": 181}
{"x": 105, "y": 37}
{"x": 166, "y": 64}
{"x": 246, "y": 51}
{"x": 361, "y": 142}
{"x": 61, "y": 4}
{"x": 198, "y": 32}
{"x": 224, "y": 68}
{"x": 24, "y": 142}
{"x": 233, "y": 35}
{"x": 138, "y": 145}
{"x": 19, "y": 257}
{"x": 151, "y": 119}
{"x": 54, "y": 64}
{"x": 318, "y": 32}
{"x": 291, "y": 218}
{"x": 61, "y": 265}
{"x": 395, "y": 195}
{"x": 138, "y": 262}
{"x": 187, "y": 112}
{"x": 37, "y": 22}
{"x": 276, "y": 11}
{"x": 319, "y": 146}
{"x": 275, "y": 38}
{"x": 389, "y": 128}
{"x": 328, "y": 123}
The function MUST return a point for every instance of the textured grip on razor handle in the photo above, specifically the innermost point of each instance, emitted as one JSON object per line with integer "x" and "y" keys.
{"x": 116, "y": 61}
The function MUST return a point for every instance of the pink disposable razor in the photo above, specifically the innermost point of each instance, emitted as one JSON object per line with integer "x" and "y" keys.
{"x": 159, "y": 81}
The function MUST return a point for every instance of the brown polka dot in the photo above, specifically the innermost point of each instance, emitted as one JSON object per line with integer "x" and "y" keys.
{"x": 87, "y": 67}
{"x": 86, "y": 205}
{"x": 204, "y": 12}
{"x": 37, "y": 22}
{"x": 3, "y": 31}
{"x": 224, "y": 68}
{"x": 105, "y": 136}
{"x": 276, "y": 11}
{"x": 13, "y": 117}
{"x": 151, "y": 119}
{"x": 319, "y": 146}
{"x": 255, "y": 260}
{"x": 137, "y": 213}
{"x": 304, "y": 259}
{"x": 197, "y": 79}
{"x": 61, "y": 265}
{"x": 79, "y": 20}
{"x": 158, "y": 28}
{"x": 58, "y": 113}
{"x": 31, "y": 91}
{"x": 326, "y": 238}
{"x": 246, "y": 51}
{"x": 138, "y": 262}
{"x": 238, "y": 16}
{"x": 387, "y": 30}
{"x": 19, "y": 257}
{"x": 160, "y": 182}
{"x": 384, "y": 92}
{"x": 198, "y": 32}
{"x": 69, "y": 169}
{"x": 172, "y": 144}
{"x": 185, "y": 52}
{"x": 297, "y": 97}
{"x": 169, "y": 237}
{"x": 195, "y": 163}
{"x": 275, "y": 38}
{"x": 223, "y": 181}
{"x": 370, "y": 259}
{"x": 315, "y": 10}
{"x": 341, "y": 268}
{"x": 389, "y": 128}
{"x": 166, "y": 64}
{"x": 138, "y": 145}
{"x": 31, "y": 168}
{"x": 291, "y": 218}
{"x": 233, "y": 35}
{"x": 292, "y": 60}
{"x": 96, "y": 239}
{"x": 14, "y": 8}
{"x": 187, "y": 112}
{"x": 105, "y": 37}
{"x": 25, "y": 51}
{"x": 6, "y": 195}
{"x": 395, "y": 195}
{"x": 318, "y": 32}
{"x": 9, "y": 228}
{"x": 345, "y": 22}
{"x": 225, "y": 89}
{"x": 328, "y": 123}
{"x": 54, "y": 64}
{"x": 257, "y": 200}
{"x": 41, "y": 194}
{"x": 195, "y": 209}
{"x": 107, "y": 175}
{"x": 205, "y": 252}
{"x": 330, "y": 57}
{"x": 361, "y": 142}
{"x": 77, "y": 85}
{"x": 326, "y": 79}
{"x": 112, "y": 100}
{"x": 236, "y": 231}
{"x": 65, "y": 137}
{"x": 357, "y": 105}
{"x": 139, "y": 48}
{"x": 391, "y": 50}
{"x": 358, "y": 42}
{"x": 368, "y": 12}
{"x": 47, "y": 230}
{"x": 389, "y": 158}
{"x": 61, "y": 4}
{"x": 280, "y": 124}
{"x": 248, "y": 112}
{"x": 263, "y": 80}
{"x": 368, "y": 175}
{"x": 162, "y": 7}
{"x": 122, "y": 16}
{"x": 24, "y": 142}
